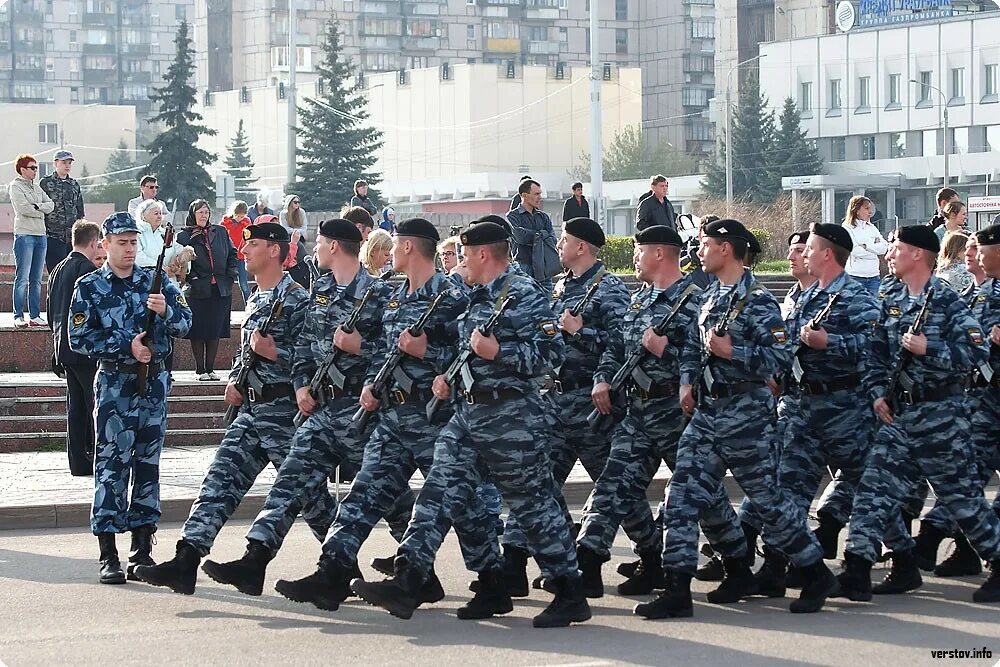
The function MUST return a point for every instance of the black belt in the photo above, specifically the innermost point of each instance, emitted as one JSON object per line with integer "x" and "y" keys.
{"x": 487, "y": 396}
{"x": 658, "y": 390}
{"x": 816, "y": 387}
{"x": 570, "y": 384}
{"x": 977, "y": 380}
{"x": 400, "y": 397}
{"x": 352, "y": 389}
{"x": 109, "y": 366}
{"x": 732, "y": 389}
{"x": 925, "y": 394}
{"x": 271, "y": 392}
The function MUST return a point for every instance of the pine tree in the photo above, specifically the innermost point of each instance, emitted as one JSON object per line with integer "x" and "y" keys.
{"x": 176, "y": 160}
{"x": 84, "y": 172}
{"x": 238, "y": 163}
{"x": 794, "y": 154}
{"x": 335, "y": 146}
{"x": 121, "y": 166}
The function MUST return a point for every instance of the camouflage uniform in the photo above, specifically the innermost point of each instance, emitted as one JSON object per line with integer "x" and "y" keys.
{"x": 649, "y": 432}
{"x": 572, "y": 437}
{"x": 261, "y": 432}
{"x": 736, "y": 431}
{"x": 404, "y": 440}
{"x": 105, "y": 314}
{"x": 65, "y": 194}
{"x": 328, "y": 437}
{"x": 498, "y": 429}
{"x": 929, "y": 437}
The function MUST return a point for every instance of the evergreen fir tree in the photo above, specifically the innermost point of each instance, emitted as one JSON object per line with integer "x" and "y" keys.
{"x": 84, "y": 172}
{"x": 238, "y": 163}
{"x": 176, "y": 160}
{"x": 121, "y": 166}
{"x": 794, "y": 154}
{"x": 335, "y": 146}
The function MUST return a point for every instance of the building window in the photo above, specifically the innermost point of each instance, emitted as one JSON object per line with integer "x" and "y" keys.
{"x": 621, "y": 10}
{"x": 703, "y": 29}
{"x": 498, "y": 30}
{"x": 563, "y": 35}
{"x": 897, "y": 144}
{"x": 928, "y": 143}
{"x": 838, "y": 149}
{"x": 864, "y": 94}
{"x": 74, "y": 95}
{"x": 990, "y": 83}
{"x": 48, "y": 133}
{"x": 72, "y": 37}
{"x": 925, "y": 90}
{"x": 868, "y": 147}
{"x": 893, "y": 91}
{"x": 180, "y": 12}
{"x": 957, "y": 97}
{"x": 621, "y": 41}
{"x": 835, "y": 98}
{"x": 992, "y": 138}
{"x": 74, "y": 65}
{"x": 806, "y": 97}
{"x": 959, "y": 140}
{"x": 470, "y": 32}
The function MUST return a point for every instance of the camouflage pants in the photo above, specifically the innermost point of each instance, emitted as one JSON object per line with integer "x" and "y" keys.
{"x": 403, "y": 442}
{"x": 735, "y": 433}
{"x": 325, "y": 440}
{"x": 646, "y": 436}
{"x": 930, "y": 440}
{"x": 501, "y": 441}
{"x": 259, "y": 435}
{"x": 129, "y": 432}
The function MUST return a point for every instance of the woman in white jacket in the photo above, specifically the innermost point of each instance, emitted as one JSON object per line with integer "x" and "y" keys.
{"x": 149, "y": 218}
{"x": 863, "y": 264}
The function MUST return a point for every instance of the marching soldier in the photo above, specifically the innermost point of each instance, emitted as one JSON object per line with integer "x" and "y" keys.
{"x": 107, "y": 318}
{"x": 925, "y": 419}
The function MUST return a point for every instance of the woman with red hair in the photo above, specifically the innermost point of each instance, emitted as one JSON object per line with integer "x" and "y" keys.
{"x": 31, "y": 205}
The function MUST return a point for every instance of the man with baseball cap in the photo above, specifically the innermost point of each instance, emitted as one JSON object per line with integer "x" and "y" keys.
{"x": 68, "y": 199}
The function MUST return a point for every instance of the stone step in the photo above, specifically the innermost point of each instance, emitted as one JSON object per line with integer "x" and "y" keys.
{"x": 45, "y": 406}
{"x": 46, "y": 385}
{"x": 7, "y": 294}
{"x": 29, "y": 442}
{"x": 56, "y": 424}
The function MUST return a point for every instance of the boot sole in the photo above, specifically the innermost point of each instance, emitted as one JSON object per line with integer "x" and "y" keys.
{"x": 679, "y": 613}
{"x": 498, "y": 610}
{"x": 387, "y": 571}
{"x": 114, "y": 581}
{"x": 895, "y": 591}
{"x": 813, "y": 605}
{"x": 983, "y": 596}
{"x": 560, "y": 622}
{"x": 183, "y": 590}
{"x": 360, "y": 588}
{"x": 207, "y": 568}
{"x": 967, "y": 572}
{"x": 303, "y": 599}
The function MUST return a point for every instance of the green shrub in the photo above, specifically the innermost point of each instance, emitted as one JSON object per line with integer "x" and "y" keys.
{"x": 617, "y": 252}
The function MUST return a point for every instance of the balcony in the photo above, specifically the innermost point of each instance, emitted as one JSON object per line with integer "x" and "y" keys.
{"x": 100, "y": 76}
{"x": 106, "y": 20}
{"x": 136, "y": 50}
{"x": 541, "y": 13}
{"x": 138, "y": 77}
{"x": 29, "y": 74}
{"x": 503, "y": 45}
{"x": 381, "y": 42}
{"x": 421, "y": 43}
{"x": 141, "y": 106}
{"x": 543, "y": 48}
{"x": 423, "y": 8}
{"x": 99, "y": 49}
{"x": 380, "y": 8}
{"x": 29, "y": 17}
{"x": 28, "y": 46}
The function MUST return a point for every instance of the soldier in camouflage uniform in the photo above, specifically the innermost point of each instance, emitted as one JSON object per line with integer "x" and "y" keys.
{"x": 587, "y": 335}
{"x": 925, "y": 419}
{"x": 499, "y": 428}
{"x": 733, "y": 428}
{"x": 261, "y": 432}
{"x": 107, "y": 318}
{"x": 404, "y": 438}
{"x": 327, "y": 438}
{"x": 65, "y": 193}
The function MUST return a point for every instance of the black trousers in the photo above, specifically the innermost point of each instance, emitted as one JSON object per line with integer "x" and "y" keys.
{"x": 55, "y": 252}
{"x": 80, "y": 418}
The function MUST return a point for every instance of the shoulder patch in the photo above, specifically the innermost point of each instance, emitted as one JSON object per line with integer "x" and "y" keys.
{"x": 322, "y": 299}
{"x": 79, "y": 319}
{"x": 779, "y": 334}
{"x": 976, "y": 336}
{"x": 894, "y": 311}
{"x": 392, "y": 305}
{"x": 636, "y": 306}
{"x": 981, "y": 298}
{"x": 548, "y": 328}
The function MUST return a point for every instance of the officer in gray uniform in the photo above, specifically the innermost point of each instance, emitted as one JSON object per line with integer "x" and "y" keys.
{"x": 107, "y": 321}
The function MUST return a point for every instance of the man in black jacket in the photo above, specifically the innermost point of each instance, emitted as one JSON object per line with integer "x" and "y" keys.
{"x": 576, "y": 206}
{"x": 655, "y": 208}
{"x": 944, "y": 197}
{"x": 78, "y": 369}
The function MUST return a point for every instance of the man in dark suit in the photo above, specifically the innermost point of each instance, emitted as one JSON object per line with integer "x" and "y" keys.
{"x": 655, "y": 208}
{"x": 576, "y": 206}
{"x": 77, "y": 369}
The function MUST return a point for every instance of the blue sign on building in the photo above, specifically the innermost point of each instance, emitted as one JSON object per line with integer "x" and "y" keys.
{"x": 892, "y": 12}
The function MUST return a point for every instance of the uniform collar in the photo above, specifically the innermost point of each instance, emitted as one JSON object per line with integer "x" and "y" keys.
{"x": 587, "y": 275}
{"x": 133, "y": 279}
{"x": 428, "y": 290}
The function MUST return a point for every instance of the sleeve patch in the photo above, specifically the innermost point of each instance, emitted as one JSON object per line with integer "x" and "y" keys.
{"x": 779, "y": 334}
{"x": 79, "y": 319}
{"x": 181, "y": 300}
{"x": 548, "y": 328}
{"x": 976, "y": 336}
{"x": 322, "y": 300}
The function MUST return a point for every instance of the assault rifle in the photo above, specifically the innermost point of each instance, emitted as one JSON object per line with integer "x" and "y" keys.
{"x": 814, "y": 324}
{"x": 142, "y": 372}
{"x": 898, "y": 377}
{"x": 721, "y": 329}
{"x": 250, "y": 358}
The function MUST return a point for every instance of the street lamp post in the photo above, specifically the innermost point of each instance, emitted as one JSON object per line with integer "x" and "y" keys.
{"x": 729, "y": 133}
{"x": 62, "y": 123}
{"x": 944, "y": 108}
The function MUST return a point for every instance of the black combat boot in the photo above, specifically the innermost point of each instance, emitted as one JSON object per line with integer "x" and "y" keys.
{"x": 590, "y": 568}
{"x": 990, "y": 591}
{"x": 928, "y": 541}
{"x": 515, "y": 570}
{"x": 828, "y": 534}
{"x": 400, "y": 595}
{"x": 491, "y": 600}
{"x": 963, "y": 561}
{"x": 245, "y": 574}
{"x": 855, "y": 582}
{"x": 674, "y": 602}
{"x": 793, "y": 579}
{"x": 628, "y": 568}
{"x": 384, "y": 565}
{"x": 568, "y": 606}
{"x": 736, "y": 585}
{"x": 712, "y": 570}
{"x": 750, "y": 535}
{"x": 431, "y": 591}
{"x": 178, "y": 574}
{"x": 647, "y": 578}
{"x": 903, "y": 576}
{"x": 141, "y": 552}
{"x": 325, "y": 588}
{"x": 818, "y": 583}
{"x": 769, "y": 580}
{"x": 111, "y": 566}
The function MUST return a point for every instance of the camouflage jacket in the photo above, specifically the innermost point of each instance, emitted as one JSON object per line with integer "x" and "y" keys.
{"x": 107, "y": 312}
{"x": 285, "y": 330}
{"x": 68, "y": 200}
{"x": 986, "y": 311}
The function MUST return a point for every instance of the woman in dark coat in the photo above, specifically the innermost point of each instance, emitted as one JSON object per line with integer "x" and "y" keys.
{"x": 209, "y": 289}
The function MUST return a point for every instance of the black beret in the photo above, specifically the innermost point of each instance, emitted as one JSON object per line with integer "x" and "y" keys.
{"x": 920, "y": 236}
{"x": 658, "y": 235}
{"x": 483, "y": 233}
{"x": 798, "y": 237}
{"x": 585, "y": 229}
{"x": 267, "y": 231}
{"x": 418, "y": 227}
{"x": 730, "y": 230}
{"x": 754, "y": 244}
{"x": 493, "y": 218}
{"x": 835, "y": 234}
{"x": 338, "y": 229}
{"x": 989, "y": 235}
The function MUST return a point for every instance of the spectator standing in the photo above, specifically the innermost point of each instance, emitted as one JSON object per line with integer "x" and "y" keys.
{"x": 78, "y": 370}
{"x": 238, "y": 220}
{"x": 148, "y": 188}
{"x": 655, "y": 208}
{"x": 576, "y": 206}
{"x": 293, "y": 216}
{"x": 149, "y": 217}
{"x": 388, "y": 222}
{"x": 534, "y": 240}
{"x": 68, "y": 200}
{"x": 944, "y": 197}
{"x": 361, "y": 199}
{"x": 951, "y": 261}
{"x": 516, "y": 199}
{"x": 376, "y": 251}
{"x": 31, "y": 204}
{"x": 209, "y": 289}
{"x": 260, "y": 208}
{"x": 955, "y": 215}
{"x": 863, "y": 264}
{"x": 361, "y": 219}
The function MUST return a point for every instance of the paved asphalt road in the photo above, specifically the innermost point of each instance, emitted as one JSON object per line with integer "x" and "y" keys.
{"x": 52, "y": 612}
